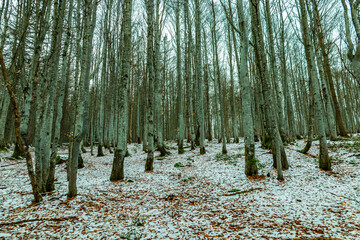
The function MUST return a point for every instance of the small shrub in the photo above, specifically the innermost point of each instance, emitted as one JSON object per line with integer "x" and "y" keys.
{"x": 261, "y": 166}
{"x": 187, "y": 179}
{"x": 132, "y": 235}
{"x": 139, "y": 221}
{"x": 178, "y": 165}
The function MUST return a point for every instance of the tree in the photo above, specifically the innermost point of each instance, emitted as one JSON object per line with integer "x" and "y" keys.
{"x": 246, "y": 90}
{"x": 181, "y": 129}
{"x": 218, "y": 81}
{"x": 277, "y": 146}
{"x": 117, "y": 172}
{"x": 199, "y": 79}
{"x": 29, "y": 163}
{"x": 324, "y": 161}
{"x": 353, "y": 57}
{"x": 150, "y": 84}
{"x": 82, "y": 107}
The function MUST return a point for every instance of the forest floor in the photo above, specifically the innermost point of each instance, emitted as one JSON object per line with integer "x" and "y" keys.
{"x": 208, "y": 198}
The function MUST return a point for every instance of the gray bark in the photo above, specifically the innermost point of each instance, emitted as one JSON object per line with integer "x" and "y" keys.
{"x": 82, "y": 110}
{"x": 117, "y": 172}
{"x": 199, "y": 78}
{"x": 246, "y": 95}
{"x": 279, "y": 155}
{"x": 181, "y": 129}
{"x": 150, "y": 80}
{"x": 324, "y": 161}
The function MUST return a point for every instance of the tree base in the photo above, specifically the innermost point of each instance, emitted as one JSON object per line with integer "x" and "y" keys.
{"x": 149, "y": 165}
{"x": 266, "y": 142}
{"x": 251, "y": 168}
{"x": 100, "y": 152}
{"x": 18, "y": 154}
{"x": 202, "y": 150}
{"x": 284, "y": 161}
{"x": 83, "y": 149}
{"x": 80, "y": 162}
{"x": 163, "y": 151}
{"x": 306, "y": 148}
{"x": 117, "y": 172}
{"x": 127, "y": 154}
{"x": 224, "y": 150}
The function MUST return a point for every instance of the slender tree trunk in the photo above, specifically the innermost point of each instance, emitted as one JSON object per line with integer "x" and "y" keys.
{"x": 117, "y": 172}
{"x": 181, "y": 129}
{"x": 150, "y": 79}
{"x": 199, "y": 78}
{"x": 246, "y": 95}
{"x": 277, "y": 147}
{"x": 218, "y": 82}
{"x": 29, "y": 163}
{"x": 234, "y": 114}
{"x": 82, "y": 111}
{"x": 188, "y": 77}
{"x": 324, "y": 161}
{"x": 60, "y": 100}
{"x": 274, "y": 73}
{"x": 327, "y": 69}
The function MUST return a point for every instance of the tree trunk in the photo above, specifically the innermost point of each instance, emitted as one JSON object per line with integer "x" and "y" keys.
{"x": 179, "y": 83}
{"x": 277, "y": 147}
{"x": 218, "y": 82}
{"x": 117, "y": 172}
{"x": 29, "y": 163}
{"x": 199, "y": 78}
{"x": 82, "y": 111}
{"x": 324, "y": 161}
{"x": 150, "y": 80}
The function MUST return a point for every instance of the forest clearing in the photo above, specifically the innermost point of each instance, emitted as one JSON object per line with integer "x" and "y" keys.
{"x": 210, "y": 197}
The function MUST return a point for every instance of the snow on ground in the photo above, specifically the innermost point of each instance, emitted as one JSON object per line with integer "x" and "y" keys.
{"x": 192, "y": 202}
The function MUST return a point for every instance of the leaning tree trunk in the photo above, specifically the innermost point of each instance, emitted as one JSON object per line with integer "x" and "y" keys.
{"x": 277, "y": 147}
{"x": 282, "y": 124}
{"x": 29, "y": 163}
{"x": 327, "y": 68}
{"x": 354, "y": 58}
{"x": 324, "y": 160}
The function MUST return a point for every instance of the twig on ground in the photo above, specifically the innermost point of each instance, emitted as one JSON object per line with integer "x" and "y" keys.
{"x": 70, "y": 218}
{"x": 345, "y": 197}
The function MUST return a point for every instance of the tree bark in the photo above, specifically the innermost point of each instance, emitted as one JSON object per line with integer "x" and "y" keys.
{"x": 117, "y": 172}
{"x": 324, "y": 161}
{"x": 29, "y": 163}
{"x": 150, "y": 80}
